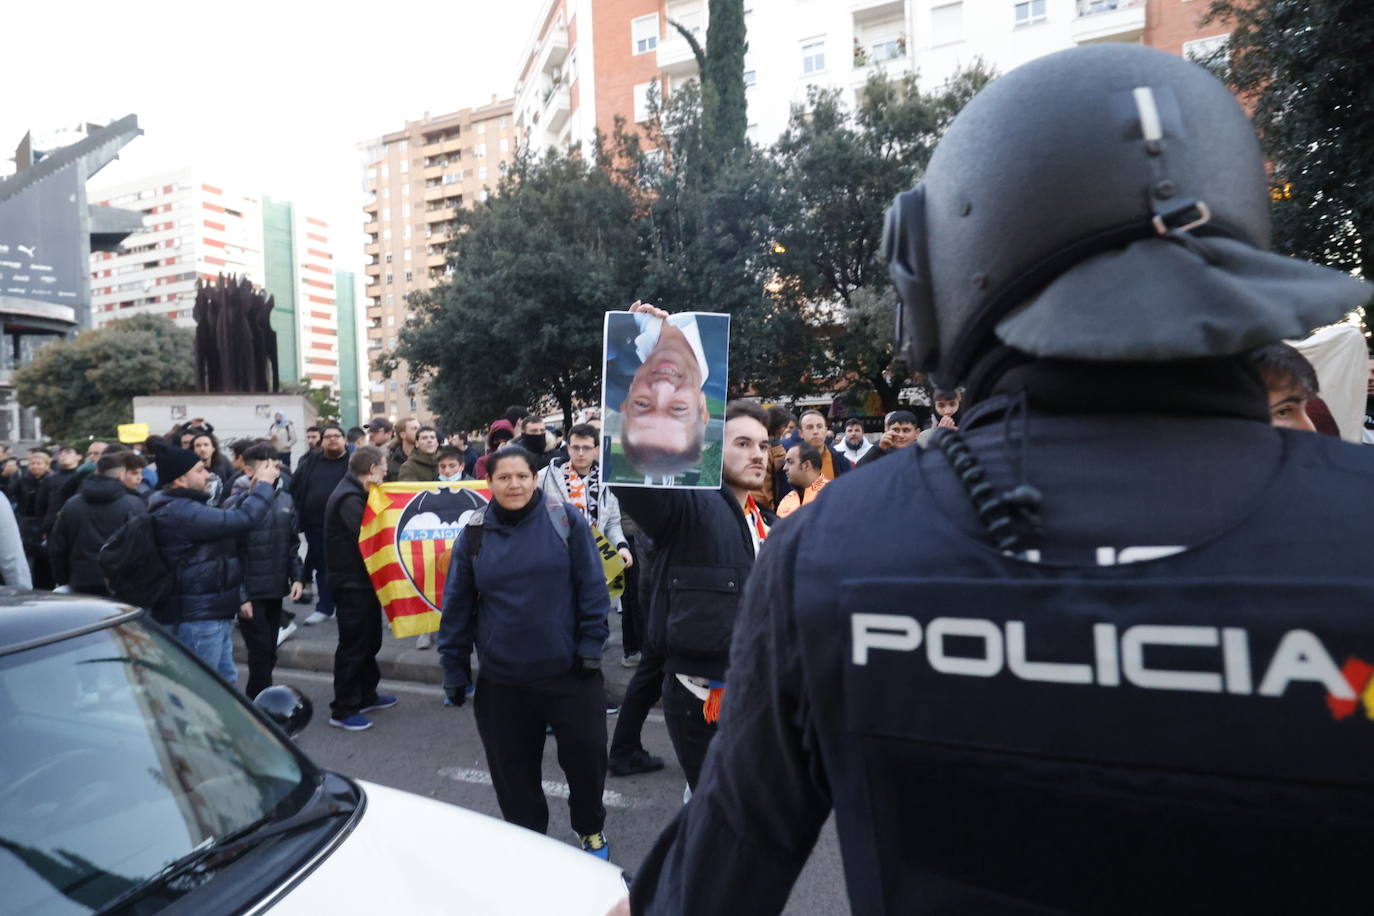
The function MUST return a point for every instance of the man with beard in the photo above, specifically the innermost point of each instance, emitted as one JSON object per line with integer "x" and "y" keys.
{"x": 854, "y": 445}
{"x": 535, "y": 442}
{"x": 705, "y": 543}
{"x": 316, "y": 477}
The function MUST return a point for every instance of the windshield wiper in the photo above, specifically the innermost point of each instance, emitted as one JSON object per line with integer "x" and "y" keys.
{"x": 236, "y": 841}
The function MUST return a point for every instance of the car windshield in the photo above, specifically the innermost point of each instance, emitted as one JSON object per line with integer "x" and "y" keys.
{"x": 119, "y": 754}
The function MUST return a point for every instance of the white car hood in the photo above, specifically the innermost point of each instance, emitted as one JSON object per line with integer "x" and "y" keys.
{"x": 415, "y": 855}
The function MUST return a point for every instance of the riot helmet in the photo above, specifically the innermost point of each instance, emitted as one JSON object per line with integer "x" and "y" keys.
{"x": 1105, "y": 203}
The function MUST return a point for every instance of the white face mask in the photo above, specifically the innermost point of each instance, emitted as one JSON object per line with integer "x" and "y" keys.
{"x": 458, "y": 476}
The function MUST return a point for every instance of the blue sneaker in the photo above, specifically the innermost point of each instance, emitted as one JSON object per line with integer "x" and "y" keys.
{"x": 596, "y": 844}
{"x": 382, "y": 702}
{"x": 354, "y": 723}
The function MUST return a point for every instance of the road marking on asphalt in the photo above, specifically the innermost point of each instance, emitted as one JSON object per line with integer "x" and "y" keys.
{"x": 551, "y": 789}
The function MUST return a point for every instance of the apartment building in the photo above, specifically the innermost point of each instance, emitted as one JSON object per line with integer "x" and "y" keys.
{"x": 1176, "y": 26}
{"x": 587, "y": 61}
{"x": 196, "y": 227}
{"x": 415, "y": 182}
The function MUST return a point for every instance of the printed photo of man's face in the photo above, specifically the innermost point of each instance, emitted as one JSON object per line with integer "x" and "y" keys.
{"x": 665, "y": 412}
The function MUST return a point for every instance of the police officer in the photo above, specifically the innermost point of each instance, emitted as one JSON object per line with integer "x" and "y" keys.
{"x": 1106, "y": 647}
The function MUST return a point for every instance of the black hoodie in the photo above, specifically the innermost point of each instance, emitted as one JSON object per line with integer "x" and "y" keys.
{"x": 83, "y": 526}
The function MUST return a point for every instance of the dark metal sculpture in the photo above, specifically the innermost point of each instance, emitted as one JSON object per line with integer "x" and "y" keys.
{"x": 236, "y": 348}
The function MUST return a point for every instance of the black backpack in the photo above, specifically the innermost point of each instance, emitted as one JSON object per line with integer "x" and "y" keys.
{"x": 133, "y": 567}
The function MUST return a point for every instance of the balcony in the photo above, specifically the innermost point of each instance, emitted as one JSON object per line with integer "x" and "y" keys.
{"x": 675, "y": 55}
{"x": 1109, "y": 20}
{"x": 440, "y": 215}
{"x": 433, "y": 171}
{"x": 555, "y": 109}
{"x": 372, "y": 227}
{"x": 437, "y": 192}
{"x": 553, "y": 52}
{"x": 373, "y": 270}
{"x": 870, "y": 10}
{"x": 373, "y": 248}
{"x": 436, "y": 260}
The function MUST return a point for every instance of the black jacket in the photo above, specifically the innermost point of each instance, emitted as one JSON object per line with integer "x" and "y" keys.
{"x": 1038, "y": 733}
{"x": 703, "y": 556}
{"x": 84, "y": 524}
{"x": 28, "y": 491}
{"x": 316, "y": 477}
{"x": 199, "y": 543}
{"x": 343, "y": 517}
{"x": 50, "y": 499}
{"x": 270, "y": 553}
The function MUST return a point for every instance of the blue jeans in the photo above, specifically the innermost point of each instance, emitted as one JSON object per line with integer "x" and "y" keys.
{"x": 314, "y": 562}
{"x": 212, "y": 642}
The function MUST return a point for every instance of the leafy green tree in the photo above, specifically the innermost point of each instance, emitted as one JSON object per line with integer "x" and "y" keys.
{"x": 725, "y": 110}
{"x": 842, "y": 167}
{"x": 708, "y": 237}
{"x": 534, "y": 270}
{"x": 1307, "y": 72}
{"x": 325, "y": 403}
{"x": 85, "y": 386}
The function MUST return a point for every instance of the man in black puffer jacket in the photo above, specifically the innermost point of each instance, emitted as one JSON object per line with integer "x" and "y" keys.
{"x": 101, "y": 505}
{"x": 199, "y": 544}
{"x": 271, "y": 559}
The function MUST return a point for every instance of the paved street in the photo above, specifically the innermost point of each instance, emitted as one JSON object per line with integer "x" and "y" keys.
{"x": 423, "y": 747}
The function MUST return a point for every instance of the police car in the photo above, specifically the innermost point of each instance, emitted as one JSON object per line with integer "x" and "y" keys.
{"x": 132, "y": 780}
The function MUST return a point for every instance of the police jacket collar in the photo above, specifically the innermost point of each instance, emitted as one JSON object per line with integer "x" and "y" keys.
{"x": 1215, "y": 387}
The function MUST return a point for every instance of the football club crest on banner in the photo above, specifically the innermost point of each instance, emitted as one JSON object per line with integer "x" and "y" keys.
{"x": 408, "y": 530}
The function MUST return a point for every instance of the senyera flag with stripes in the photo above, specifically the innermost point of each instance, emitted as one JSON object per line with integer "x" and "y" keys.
{"x": 408, "y": 530}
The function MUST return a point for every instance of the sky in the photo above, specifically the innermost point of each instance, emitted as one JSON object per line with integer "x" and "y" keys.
{"x": 273, "y": 96}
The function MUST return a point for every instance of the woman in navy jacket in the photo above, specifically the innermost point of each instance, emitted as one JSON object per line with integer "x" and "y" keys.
{"x": 526, "y": 587}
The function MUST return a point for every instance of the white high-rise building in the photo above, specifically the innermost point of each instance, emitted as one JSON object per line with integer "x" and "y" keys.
{"x": 588, "y": 61}
{"x": 196, "y": 227}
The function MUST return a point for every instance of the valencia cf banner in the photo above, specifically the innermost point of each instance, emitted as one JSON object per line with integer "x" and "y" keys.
{"x": 408, "y": 530}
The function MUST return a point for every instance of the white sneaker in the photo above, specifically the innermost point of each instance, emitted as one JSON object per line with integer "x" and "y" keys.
{"x": 314, "y": 618}
{"x": 424, "y": 640}
{"x": 631, "y": 660}
{"x": 286, "y": 632}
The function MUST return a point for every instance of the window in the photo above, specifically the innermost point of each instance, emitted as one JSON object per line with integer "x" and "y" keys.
{"x": 402, "y": 147}
{"x": 391, "y": 321}
{"x": 388, "y": 279}
{"x": 482, "y": 127}
{"x": 480, "y": 150}
{"x": 410, "y": 277}
{"x": 483, "y": 196}
{"x": 453, "y": 177}
{"x": 503, "y": 166}
{"x": 1200, "y": 50}
{"x": 750, "y": 79}
{"x": 405, "y": 165}
{"x": 405, "y": 189}
{"x": 505, "y": 123}
{"x": 946, "y": 24}
{"x": 482, "y": 173}
{"x": 405, "y": 211}
{"x": 644, "y": 34}
{"x": 813, "y": 55}
{"x": 505, "y": 145}
{"x": 887, "y": 48}
{"x": 386, "y": 235}
{"x": 646, "y": 98}
{"x": 405, "y": 231}
{"x": 1029, "y": 12}
{"x": 407, "y": 254}
{"x": 386, "y": 192}
{"x": 388, "y": 257}
{"x": 390, "y": 300}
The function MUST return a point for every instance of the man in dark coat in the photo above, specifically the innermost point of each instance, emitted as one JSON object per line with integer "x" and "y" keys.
{"x": 316, "y": 477}
{"x": 199, "y": 545}
{"x": 360, "y": 613}
{"x": 101, "y": 505}
{"x": 29, "y": 489}
{"x": 271, "y": 558}
{"x": 705, "y": 543}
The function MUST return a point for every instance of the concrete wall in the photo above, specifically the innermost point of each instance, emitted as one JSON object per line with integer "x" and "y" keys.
{"x": 234, "y": 416}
